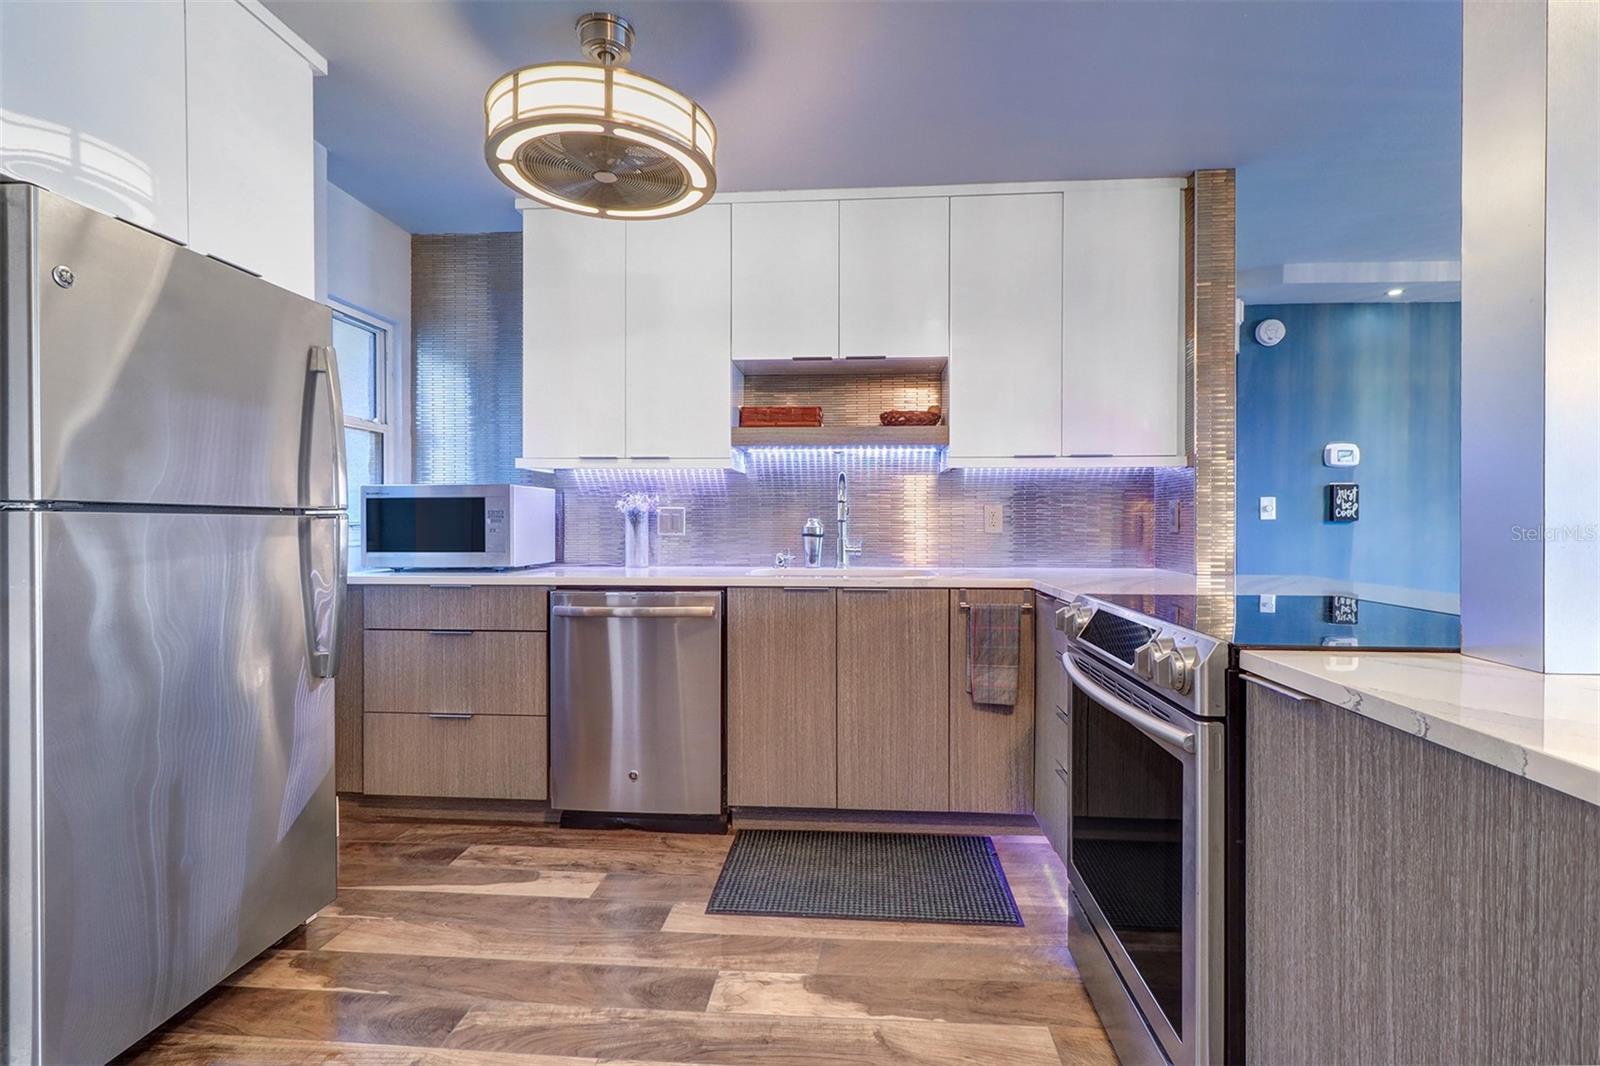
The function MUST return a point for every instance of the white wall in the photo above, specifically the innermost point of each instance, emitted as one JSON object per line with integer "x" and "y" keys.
{"x": 365, "y": 263}
{"x": 1530, "y": 372}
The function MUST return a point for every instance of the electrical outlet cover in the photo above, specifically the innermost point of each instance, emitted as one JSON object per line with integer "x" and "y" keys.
{"x": 672, "y": 521}
{"x": 1269, "y": 508}
{"x": 994, "y": 518}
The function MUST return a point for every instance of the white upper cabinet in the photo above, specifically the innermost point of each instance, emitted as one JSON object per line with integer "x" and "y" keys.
{"x": 574, "y": 354}
{"x": 679, "y": 374}
{"x": 92, "y": 106}
{"x": 1123, "y": 320}
{"x": 1005, "y": 326}
{"x": 894, "y": 277}
{"x": 252, "y": 169}
{"x": 786, "y": 280}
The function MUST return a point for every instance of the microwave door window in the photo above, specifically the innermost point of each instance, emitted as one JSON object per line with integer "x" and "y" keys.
{"x": 452, "y": 524}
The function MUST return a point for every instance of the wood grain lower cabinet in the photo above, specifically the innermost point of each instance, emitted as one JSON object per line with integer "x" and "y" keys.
{"x": 894, "y": 699}
{"x": 782, "y": 698}
{"x": 1052, "y": 733}
{"x": 459, "y": 672}
{"x": 348, "y": 697}
{"x": 1405, "y": 903}
{"x": 456, "y": 607}
{"x": 487, "y": 756}
{"x": 991, "y": 748}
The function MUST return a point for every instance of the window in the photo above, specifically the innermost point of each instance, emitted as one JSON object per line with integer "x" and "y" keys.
{"x": 362, "y": 345}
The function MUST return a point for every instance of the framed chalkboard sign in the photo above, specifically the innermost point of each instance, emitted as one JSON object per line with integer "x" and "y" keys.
{"x": 1344, "y": 501}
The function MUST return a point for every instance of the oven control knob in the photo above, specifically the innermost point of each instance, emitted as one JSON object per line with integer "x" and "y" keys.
{"x": 1148, "y": 658}
{"x": 1074, "y": 618}
{"x": 1176, "y": 670}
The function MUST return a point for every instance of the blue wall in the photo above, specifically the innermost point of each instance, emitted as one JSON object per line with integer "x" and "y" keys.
{"x": 1386, "y": 376}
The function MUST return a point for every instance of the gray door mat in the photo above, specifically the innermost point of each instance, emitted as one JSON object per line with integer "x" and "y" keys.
{"x": 900, "y": 877}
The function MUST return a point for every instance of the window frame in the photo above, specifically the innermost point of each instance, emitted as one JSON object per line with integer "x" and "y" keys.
{"x": 386, "y": 387}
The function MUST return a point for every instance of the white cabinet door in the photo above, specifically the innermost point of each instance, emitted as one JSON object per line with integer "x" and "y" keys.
{"x": 680, "y": 377}
{"x": 1123, "y": 320}
{"x": 1005, "y": 326}
{"x": 894, "y": 277}
{"x": 786, "y": 280}
{"x": 92, "y": 105}
{"x": 573, "y": 346}
{"x": 251, "y": 163}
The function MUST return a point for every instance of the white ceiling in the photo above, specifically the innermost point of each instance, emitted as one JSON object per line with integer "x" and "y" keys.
{"x": 1342, "y": 117}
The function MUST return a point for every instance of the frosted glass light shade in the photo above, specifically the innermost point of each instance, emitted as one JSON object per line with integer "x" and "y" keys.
{"x": 599, "y": 140}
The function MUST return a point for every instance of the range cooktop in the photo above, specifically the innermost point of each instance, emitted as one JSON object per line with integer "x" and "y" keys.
{"x": 1303, "y": 622}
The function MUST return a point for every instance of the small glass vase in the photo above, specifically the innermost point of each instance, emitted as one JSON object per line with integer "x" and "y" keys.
{"x": 636, "y": 540}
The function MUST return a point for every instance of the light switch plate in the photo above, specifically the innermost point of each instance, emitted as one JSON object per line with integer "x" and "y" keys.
{"x": 672, "y": 521}
{"x": 1269, "y": 508}
{"x": 994, "y": 518}
{"x": 1174, "y": 517}
{"x": 1268, "y": 604}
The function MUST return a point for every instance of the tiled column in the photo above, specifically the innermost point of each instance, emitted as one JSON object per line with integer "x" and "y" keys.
{"x": 1209, "y": 211}
{"x": 1530, "y": 334}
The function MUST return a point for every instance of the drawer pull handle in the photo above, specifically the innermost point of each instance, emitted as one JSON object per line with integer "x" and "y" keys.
{"x": 807, "y": 588}
{"x": 569, "y": 611}
{"x": 450, "y": 632}
{"x": 461, "y": 587}
{"x": 1063, "y": 716}
{"x": 451, "y": 716}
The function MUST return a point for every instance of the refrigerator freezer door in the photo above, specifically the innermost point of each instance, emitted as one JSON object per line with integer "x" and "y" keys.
{"x": 138, "y": 372}
{"x": 185, "y": 816}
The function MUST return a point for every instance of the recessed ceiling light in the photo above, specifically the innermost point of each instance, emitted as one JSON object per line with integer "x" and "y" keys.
{"x": 1394, "y": 292}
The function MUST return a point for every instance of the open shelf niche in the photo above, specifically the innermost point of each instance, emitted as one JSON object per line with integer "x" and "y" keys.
{"x": 851, "y": 396}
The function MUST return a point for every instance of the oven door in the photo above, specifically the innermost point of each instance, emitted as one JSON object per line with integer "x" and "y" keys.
{"x": 1147, "y": 854}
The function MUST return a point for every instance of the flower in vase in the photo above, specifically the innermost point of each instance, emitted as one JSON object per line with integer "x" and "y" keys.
{"x": 637, "y": 504}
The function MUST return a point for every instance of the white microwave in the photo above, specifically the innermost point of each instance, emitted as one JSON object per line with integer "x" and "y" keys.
{"x": 467, "y": 527}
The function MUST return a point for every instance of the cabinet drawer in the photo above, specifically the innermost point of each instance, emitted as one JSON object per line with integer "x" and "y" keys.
{"x": 455, "y": 607}
{"x": 1054, "y": 736}
{"x": 411, "y": 671}
{"x": 483, "y": 757}
{"x": 1055, "y": 807}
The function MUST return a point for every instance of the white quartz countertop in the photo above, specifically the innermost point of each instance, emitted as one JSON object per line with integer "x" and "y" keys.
{"x": 1545, "y": 727}
{"x": 1060, "y": 582}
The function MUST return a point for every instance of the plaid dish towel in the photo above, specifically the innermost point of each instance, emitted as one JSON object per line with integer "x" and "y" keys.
{"x": 994, "y": 652}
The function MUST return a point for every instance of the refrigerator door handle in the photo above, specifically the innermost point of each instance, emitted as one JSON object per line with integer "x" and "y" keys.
{"x": 325, "y": 660}
{"x": 323, "y": 363}
{"x": 341, "y": 593}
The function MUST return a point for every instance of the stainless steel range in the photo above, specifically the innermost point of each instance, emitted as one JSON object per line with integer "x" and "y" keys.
{"x": 1156, "y": 853}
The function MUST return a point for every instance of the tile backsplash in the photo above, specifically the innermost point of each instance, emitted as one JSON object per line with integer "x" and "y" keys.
{"x": 467, "y": 325}
{"x": 904, "y": 512}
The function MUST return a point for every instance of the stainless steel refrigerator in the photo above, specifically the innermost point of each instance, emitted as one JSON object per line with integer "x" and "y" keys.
{"x": 173, "y": 550}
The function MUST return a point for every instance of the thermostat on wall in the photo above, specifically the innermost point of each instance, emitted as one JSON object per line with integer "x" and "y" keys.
{"x": 1341, "y": 454}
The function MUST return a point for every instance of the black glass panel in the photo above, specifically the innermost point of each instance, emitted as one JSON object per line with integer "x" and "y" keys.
{"x": 1116, "y": 635}
{"x": 1127, "y": 844}
{"x": 425, "y": 524}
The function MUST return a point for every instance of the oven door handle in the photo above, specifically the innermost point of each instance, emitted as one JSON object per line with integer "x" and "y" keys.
{"x": 1142, "y": 720}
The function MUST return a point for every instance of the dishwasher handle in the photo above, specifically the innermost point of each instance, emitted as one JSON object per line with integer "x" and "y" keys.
{"x": 564, "y": 610}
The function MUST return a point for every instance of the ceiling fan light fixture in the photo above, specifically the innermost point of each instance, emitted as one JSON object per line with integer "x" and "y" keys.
{"x": 597, "y": 138}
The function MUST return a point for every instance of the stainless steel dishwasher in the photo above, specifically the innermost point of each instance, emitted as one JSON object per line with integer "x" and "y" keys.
{"x": 636, "y": 703}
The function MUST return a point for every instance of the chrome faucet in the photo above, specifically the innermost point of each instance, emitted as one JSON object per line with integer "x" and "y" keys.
{"x": 846, "y": 549}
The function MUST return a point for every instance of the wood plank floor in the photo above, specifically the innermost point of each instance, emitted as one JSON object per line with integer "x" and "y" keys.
{"x": 456, "y": 941}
